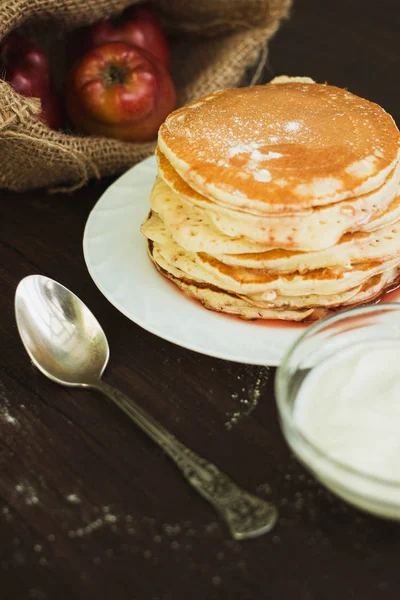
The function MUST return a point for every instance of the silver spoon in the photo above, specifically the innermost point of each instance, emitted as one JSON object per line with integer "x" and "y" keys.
{"x": 67, "y": 344}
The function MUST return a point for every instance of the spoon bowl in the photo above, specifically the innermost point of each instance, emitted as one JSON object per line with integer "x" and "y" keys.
{"x": 61, "y": 335}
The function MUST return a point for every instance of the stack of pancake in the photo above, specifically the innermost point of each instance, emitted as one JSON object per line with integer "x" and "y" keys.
{"x": 278, "y": 201}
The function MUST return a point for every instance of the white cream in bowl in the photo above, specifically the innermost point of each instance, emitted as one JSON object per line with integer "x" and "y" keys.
{"x": 347, "y": 410}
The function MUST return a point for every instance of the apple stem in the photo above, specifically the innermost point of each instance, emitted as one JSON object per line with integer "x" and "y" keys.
{"x": 114, "y": 74}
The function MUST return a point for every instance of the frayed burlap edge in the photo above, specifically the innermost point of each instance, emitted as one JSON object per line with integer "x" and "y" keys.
{"x": 34, "y": 156}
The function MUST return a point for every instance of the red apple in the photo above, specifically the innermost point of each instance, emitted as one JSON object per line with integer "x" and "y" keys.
{"x": 26, "y": 69}
{"x": 121, "y": 91}
{"x": 138, "y": 26}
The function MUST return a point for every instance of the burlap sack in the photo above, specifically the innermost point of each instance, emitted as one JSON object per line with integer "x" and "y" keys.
{"x": 214, "y": 43}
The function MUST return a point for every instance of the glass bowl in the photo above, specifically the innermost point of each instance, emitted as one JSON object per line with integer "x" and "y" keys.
{"x": 321, "y": 341}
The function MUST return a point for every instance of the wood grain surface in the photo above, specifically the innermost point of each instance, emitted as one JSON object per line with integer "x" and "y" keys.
{"x": 89, "y": 508}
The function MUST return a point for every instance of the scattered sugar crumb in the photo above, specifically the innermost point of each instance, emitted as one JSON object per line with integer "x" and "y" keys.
{"x": 86, "y": 529}
{"x": 264, "y": 488}
{"x": 179, "y": 538}
{"x": 171, "y": 529}
{"x": 110, "y": 518}
{"x": 6, "y": 417}
{"x": 7, "y": 514}
{"x": 28, "y": 493}
{"x": 249, "y": 395}
{"x": 211, "y": 527}
{"x": 73, "y": 498}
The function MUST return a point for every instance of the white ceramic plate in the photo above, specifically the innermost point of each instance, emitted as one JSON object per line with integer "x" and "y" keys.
{"x": 116, "y": 256}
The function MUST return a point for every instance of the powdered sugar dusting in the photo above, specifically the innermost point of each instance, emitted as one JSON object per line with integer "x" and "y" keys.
{"x": 154, "y": 541}
{"x": 243, "y": 148}
{"x": 140, "y": 538}
{"x": 292, "y": 126}
{"x": 255, "y": 158}
{"x": 263, "y": 175}
{"x": 259, "y": 156}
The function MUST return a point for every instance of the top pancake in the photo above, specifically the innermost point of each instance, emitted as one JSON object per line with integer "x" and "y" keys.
{"x": 279, "y": 148}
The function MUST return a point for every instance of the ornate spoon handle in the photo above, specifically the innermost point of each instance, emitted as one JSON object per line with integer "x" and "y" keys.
{"x": 246, "y": 515}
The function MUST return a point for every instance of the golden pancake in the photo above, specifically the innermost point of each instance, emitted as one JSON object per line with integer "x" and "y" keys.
{"x": 281, "y": 147}
{"x": 190, "y": 226}
{"x": 219, "y": 300}
{"x": 380, "y": 245}
{"x": 389, "y": 216}
{"x": 368, "y": 291}
{"x": 352, "y": 248}
{"x": 320, "y": 228}
{"x": 282, "y": 308}
{"x": 241, "y": 280}
{"x": 200, "y": 236}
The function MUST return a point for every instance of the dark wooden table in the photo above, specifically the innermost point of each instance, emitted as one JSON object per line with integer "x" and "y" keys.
{"x": 90, "y": 508}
